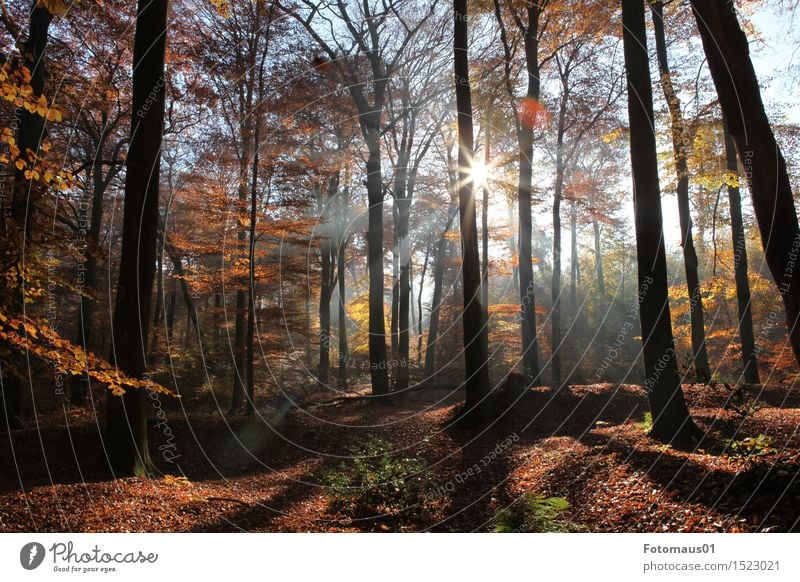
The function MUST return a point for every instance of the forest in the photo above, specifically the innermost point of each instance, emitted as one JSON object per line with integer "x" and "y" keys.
{"x": 399, "y": 266}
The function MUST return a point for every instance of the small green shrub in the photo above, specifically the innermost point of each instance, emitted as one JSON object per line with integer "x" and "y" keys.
{"x": 376, "y": 485}
{"x": 647, "y": 423}
{"x": 756, "y": 446}
{"x": 534, "y": 514}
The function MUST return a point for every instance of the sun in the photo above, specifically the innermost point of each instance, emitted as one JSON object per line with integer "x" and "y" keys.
{"x": 480, "y": 174}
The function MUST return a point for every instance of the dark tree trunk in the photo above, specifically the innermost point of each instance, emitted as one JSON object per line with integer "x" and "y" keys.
{"x": 555, "y": 288}
{"x": 80, "y": 384}
{"x": 419, "y": 301}
{"x": 327, "y": 282}
{"x": 530, "y": 348}
{"x": 216, "y": 318}
{"x": 30, "y": 131}
{"x": 239, "y": 373}
{"x": 126, "y": 426}
{"x": 436, "y": 300}
{"x": 728, "y": 55}
{"x": 404, "y": 211}
{"x": 393, "y": 318}
{"x": 746, "y": 335}
{"x": 191, "y": 308}
{"x": 487, "y": 156}
{"x": 679, "y": 141}
{"x": 242, "y": 309}
{"x": 341, "y": 272}
{"x": 574, "y": 268}
{"x": 671, "y": 420}
{"x": 158, "y": 311}
{"x": 476, "y": 349}
{"x": 251, "y": 258}
{"x": 171, "y": 301}
{"x": 377, "y": 327}
{"x": 598, "y": 260}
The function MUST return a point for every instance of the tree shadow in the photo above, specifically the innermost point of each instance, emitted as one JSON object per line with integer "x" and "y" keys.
{"x": 763, "y": 493}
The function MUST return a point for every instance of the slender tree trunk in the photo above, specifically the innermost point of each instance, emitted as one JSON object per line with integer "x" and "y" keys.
{"x": 414, "y": 321}
{"x": 80, "y": 384}
{"x": 728, "y": 55}
{"x": 476, "y": 349}
{"x": 746, "y": 335}
{"x": 377, "y": 326}
{"x": 251, "y": 257}
{"x": 216, "y": 318}
{"x": 171, "y": 301}
{"x": 328, "y": 280}
{"x": 404, "y": 208}
{"x": 158, "y": 312}
{"x": 395, "y": 312}
{"x": 126, "y": 421}
{"x": 530, "y": 348}
{"x": 341, "y": 272}
{"x": 487, "y": 156}
{"x": 679, "y": 141}
{"x": 573, "y": 260}
{"x": 671, "y": 420}
{"x": 242, "y": 309}
{"x": 419, "y": 301}
{"x": 598, "y": 260}
{"x": 555, "y": 288}
{"x": 438, "y": 288}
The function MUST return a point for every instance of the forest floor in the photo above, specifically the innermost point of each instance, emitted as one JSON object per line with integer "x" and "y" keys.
{"x": 269, "y": 472}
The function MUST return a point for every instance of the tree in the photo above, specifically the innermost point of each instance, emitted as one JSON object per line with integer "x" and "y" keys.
{"x": 671, "y": 420}
{"x": 743, "y": 300}
{"x": 99, "y": 114}
{"x": 679, "y": 145}
{"x": 30, "y": 126}
{"x": 126, "y": 420}
{"x": 413, "y": 93}
{"x": 526, "y": 120}
{"x": 365, "y": 67}
{"x": 728, "y": 54}
{"x": 476, "y": 345}
{"x": 577, "y": 115}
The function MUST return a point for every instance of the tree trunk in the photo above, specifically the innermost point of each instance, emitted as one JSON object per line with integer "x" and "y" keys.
{"x": 671, "y": 420}
{"x": 728, "y": 55}
{"x": 598, "y": 260}
{"x": 377, "y": 326}
{"x": 530, "y": 348}
{"x": 555, "y": 288}
{"x": 126, "y": 426}
{"x": 80, "y": 384}
{"x": 746, "y": 335}
{"x": 476, "y": 349}
{"x": 438, "y": 289}
{"x": 341, "y": 272}
{"x": 487, "y": 156}
{"x": 404, "y": 211}
{"x": 574, "y": 268}
{"x": 419, "y": 301}
{"x": 393, "y": 318}
{"x": 30, "y": 131}
{"x": 328, "y": 280}
{"x": 31, "y": 128}
{"x": 679, "y": 141}
{"x": 171, "y": 301}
